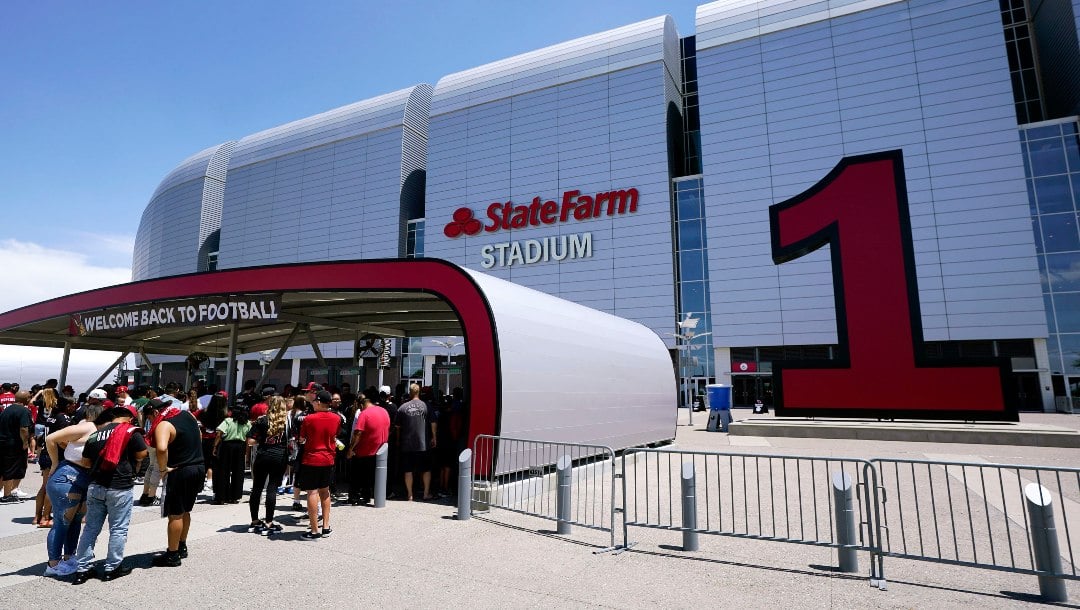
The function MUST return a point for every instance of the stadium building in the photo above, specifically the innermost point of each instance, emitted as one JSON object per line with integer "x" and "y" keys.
{"x": 633, "y": 170}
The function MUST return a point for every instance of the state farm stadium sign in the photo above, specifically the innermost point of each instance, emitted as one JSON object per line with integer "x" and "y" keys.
{"x": 574, "y": 206}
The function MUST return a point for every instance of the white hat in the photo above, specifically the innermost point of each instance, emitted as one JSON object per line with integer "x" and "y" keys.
{"x": 98, "y": 394}
{"x": 384, "y": 390}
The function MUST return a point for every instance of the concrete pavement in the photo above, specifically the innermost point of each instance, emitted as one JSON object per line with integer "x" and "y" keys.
{"x": 416, "y": 553}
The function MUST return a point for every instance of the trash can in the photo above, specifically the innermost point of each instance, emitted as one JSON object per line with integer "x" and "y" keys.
{"x": 719, "y": 407}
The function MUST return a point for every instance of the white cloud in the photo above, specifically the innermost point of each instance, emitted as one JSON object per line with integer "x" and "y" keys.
{"x": 35, "y": 273}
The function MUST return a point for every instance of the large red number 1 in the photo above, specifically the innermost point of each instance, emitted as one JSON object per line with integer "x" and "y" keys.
{"x": 860, "y": 209}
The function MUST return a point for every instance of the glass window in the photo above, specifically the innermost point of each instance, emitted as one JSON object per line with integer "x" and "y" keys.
{"x": 1053, "y": 194}
{"x": 1049, "y": 131}
{"x": 1072, "y": 153}
{"x": 1059, "y": 232}
{"x": 1063, "y": 271}
{"x": 1031, "y": 192}
{"x": 692, "y": 267}
{"x": 1070, "y": 352}
{"x": 690, "y": 203}
{"x": 1047, "y": 157}
{"x": 690, "y": 235}
{"x": 692, "y": 296}
{"x": 1049, "y": 305}
{"x": 1037, "y": 233}
{"x": 1044, "y": 276}
{"x": 1067, "y": 306}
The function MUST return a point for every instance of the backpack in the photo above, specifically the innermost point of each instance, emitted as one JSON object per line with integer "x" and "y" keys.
{"x": 116, "y": 443}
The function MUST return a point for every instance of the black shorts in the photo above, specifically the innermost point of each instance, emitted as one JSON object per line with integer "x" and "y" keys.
{"x": 182, "y": 487}
{"x": 44, "y": 461}
{"x": 315, "y": 477}
{"x": 13, "y": 464}
{"x": 415, "y": 461}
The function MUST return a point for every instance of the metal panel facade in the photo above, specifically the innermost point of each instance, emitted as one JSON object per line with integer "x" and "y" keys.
{"x": 182, "y": 212}
{"x": 779, "y": 110}
{"x": 322, "y": 188}
{"x": 589, "y": 115}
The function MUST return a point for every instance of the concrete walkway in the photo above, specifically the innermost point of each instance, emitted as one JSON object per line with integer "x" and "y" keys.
{"x": 416, "y": 553}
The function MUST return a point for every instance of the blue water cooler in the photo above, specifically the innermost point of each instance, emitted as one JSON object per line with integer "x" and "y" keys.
{"x": 719, "y": 407}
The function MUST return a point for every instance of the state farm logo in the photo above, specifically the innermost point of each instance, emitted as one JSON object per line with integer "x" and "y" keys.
{"x": 463, "y": 223}
{"x": 574, "y": 207}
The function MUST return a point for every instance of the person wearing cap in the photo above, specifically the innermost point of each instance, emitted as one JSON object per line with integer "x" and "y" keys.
{"x": 177, "y": 439}
{"x": 15, "y": 430}
{"x": 260, "y": 408}
{"x": 122, "y": 397}
{"x": 95, "y": 397}
{"x": 110, "y": 495}
{"x": 318, "y": 435}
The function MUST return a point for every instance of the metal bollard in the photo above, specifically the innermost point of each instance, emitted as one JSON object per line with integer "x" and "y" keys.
{"x": 380, "y": 475}
{"x": 562, "y": 497}
{"x": 845, "y": 522}
{"x": 1045, "y": 542}
{"x": 689, "y": 508}
{"x": 464, "y": 486}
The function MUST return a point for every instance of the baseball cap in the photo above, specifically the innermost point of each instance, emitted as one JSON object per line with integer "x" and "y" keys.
{"x": 107, "y": 404}
{"x": 98, "y": 394}
{"x": 384, "y": 390}
{"x": 269, "y": 391}
{"x": 121, "y": 388}
{"x": 158, "y": 403}
{"x": 124, "y": 410}
{"x": 312, "y": 387}
{"x": 324, "y": 396}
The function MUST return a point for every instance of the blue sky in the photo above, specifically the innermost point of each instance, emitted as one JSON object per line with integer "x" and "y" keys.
{"x": 100, "y": 100}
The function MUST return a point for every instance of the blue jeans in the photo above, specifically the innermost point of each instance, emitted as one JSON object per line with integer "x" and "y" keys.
{"x": 102, "y": 502}
{"x": 65, "y": 482}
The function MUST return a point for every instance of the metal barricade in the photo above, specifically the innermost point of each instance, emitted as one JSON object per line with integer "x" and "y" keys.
{"x": 976, "y": 514}
{"x": 568, "y": 483}
{"x": 789, "y": 499}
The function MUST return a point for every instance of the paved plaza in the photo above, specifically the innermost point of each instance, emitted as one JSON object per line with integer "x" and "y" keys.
{"x": 417, "y": 553}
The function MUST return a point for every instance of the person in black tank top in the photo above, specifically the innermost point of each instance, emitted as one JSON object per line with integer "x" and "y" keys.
{"x": 178, "y": 440}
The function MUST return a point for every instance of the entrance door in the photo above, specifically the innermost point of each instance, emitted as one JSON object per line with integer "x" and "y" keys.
{"x": 1029, "y": 396}
{"x": 747, "y": 389}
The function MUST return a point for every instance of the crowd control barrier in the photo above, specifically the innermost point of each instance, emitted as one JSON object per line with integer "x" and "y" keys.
{"x": 995, "y": 516}
{"x": 570, "y": 484}
{"x": 1005, "y": 517}
{"x": 795, "y": 499}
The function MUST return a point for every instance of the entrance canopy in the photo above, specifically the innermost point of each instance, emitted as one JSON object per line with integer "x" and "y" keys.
{"x": 538, "y": 365}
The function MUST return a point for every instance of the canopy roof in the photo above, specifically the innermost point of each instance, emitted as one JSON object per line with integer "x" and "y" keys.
{"x": 539, "y": 365}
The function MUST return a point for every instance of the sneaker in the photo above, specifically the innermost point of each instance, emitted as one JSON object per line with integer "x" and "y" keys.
{"x": 272, "y": 528}
{"x": 62, "y": 569}
{"x": 167, "y": 560}
{"x": 82, "y": 576}
{"x": 113, "y": 574}
{"x": 298, "y": 506}
{"x": 183, "y": 550}
{"x": 255, "y": 527}
{"x": 9, "y": 500}
{"x": 326, "y": 532}
{"x": 139, "y": 481}
{"x": 20, "y": 494}
{"x": 309, "y": 535}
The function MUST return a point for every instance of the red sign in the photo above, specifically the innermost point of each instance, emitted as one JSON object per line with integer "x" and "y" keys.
{"x": 503, "y": 216}
{"x": 743, "y": 367}
{"x": 860, "y": 210}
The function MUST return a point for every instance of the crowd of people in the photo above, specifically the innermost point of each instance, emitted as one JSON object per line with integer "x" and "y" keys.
{"x": 176, "y": 444}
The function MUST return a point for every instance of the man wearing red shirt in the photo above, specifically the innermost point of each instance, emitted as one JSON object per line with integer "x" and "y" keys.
{"x": 7, "y": 396}
{"x": 371, "y": 430}
{"x": 318, "y": 434}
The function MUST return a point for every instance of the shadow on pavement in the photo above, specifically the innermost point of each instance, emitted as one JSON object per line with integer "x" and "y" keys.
{"x": 1031, "y": 598}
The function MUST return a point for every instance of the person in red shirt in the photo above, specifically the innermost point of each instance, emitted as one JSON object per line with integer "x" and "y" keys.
{"x": 7, "y": 397}
{"x": 318, "y": 434}
{"x": 371, "y": 430}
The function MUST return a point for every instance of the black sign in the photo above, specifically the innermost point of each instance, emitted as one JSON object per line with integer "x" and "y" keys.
{"x": 189, "y": 312}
